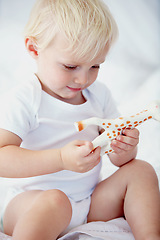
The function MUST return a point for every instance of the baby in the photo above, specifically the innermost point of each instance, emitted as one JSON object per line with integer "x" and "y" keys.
{"x": 55, "y": 173}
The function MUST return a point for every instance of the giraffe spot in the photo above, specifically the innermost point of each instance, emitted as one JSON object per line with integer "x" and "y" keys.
{"x": 119, "y": 133}
{"x": 136, "y": 125}
{"x": 110, "y": 137}
{"x": 135, "y": 122}
{"x": 149, "y": 117}
{"x": 106, "y": 152}
{"x": 130, "y": 125}
{"x": 138, "y": 114}
{"x": 109, "y": 124}
{"x": 110, "y": 150}
{"x": 114, "y": 131}
{"x": 140, "y": 122}
{"x": 145, "y": 110}
{"x": 103, "y": 124}
{"x": 128, "y": 122}
{"x": 114, "y": 135}
{"x": 116, "y": 125}
{"x": 122, "y": 125}
{"x": 119, "y": 129}
{"x": 108, "y": 134}
{"x": 132, "y": 116}
{"x": 145, "y": 119}
{"x": 124, "y": 128}
{"x": 120, "y": 117}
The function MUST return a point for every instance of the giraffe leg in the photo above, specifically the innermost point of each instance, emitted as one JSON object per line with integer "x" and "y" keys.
{"x": 102, "y": 141}
{"x": 106, "y": 149}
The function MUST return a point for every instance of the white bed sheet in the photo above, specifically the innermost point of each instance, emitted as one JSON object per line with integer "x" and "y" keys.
{"x": 132, "y": 72}
{"x": 117, "y": 229}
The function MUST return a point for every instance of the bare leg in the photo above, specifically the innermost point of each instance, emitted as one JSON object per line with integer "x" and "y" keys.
{"x": 132, "y": 191}
{"x": 41, "y": 215}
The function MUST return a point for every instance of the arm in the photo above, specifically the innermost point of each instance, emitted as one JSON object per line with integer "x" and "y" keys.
{"x": 125, "y": 147}
{"x": 18, "y": 162}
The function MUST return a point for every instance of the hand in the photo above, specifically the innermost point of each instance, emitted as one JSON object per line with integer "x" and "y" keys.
{"x": 126, "y": 142}
{"x": 78, "y": 156}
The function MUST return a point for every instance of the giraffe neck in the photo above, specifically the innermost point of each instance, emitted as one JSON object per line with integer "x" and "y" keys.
{"x": 135, "y": 120}
{"x": 127, "y": 122}
{"x": 140, "y": 117}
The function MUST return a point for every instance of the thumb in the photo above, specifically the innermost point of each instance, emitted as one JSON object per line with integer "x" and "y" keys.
{"x": 86, "y": 148}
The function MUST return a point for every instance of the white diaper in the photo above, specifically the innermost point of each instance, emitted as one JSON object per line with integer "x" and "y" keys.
{"x": 80, "y": 212}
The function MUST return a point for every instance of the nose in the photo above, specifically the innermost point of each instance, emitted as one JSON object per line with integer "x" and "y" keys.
{"x": 82, "y": 78}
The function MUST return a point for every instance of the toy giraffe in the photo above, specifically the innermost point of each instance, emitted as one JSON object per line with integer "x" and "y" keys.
{"x": 114, "y": 127}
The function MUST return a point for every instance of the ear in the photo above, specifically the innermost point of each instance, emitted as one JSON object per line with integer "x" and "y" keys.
{"x": 31, "y": 47}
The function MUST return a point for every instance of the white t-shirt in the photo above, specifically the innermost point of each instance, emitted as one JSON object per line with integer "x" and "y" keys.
{"x": 44, "y": 122}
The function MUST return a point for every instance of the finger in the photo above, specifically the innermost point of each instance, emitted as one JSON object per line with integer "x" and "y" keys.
{"x": 89, "y": 145}
{"x": 86, "y": 148}
{"x": 121, "y": 146}
{"x": 79, "y": 142}
{"x": 94, "y": 156}
{"x": 134, "y": 133}
{"x": 127, "y": 140}
{"x": 92, "y": 160}
{"x": 117, "y": 149}
{"x": 96, "y": 152}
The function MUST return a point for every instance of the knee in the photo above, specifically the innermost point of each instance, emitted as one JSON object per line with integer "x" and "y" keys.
{"x": 138, "y": 168}
{"x": 55, "y": 200}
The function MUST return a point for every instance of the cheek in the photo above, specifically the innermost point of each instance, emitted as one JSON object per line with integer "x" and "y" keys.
{"x": 93, "y": 76}
{"x": 59, "y": 79}
{"x": 43, "y": 67}
{"x": 96, "y": 74}
{"x": 63, "y": 77}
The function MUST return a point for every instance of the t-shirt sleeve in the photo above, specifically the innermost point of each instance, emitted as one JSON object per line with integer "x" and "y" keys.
{"x": 18, "y": 111}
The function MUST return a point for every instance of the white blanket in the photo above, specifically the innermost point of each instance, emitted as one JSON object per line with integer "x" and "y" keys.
{"x": 117, "y": 229}
{"x": 132, "y": 72}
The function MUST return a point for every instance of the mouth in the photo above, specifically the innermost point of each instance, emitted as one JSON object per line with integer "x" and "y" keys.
{"x": 74, "y": 89}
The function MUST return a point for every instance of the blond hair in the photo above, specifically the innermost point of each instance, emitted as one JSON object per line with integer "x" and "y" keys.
{"x": 87, "y": 25}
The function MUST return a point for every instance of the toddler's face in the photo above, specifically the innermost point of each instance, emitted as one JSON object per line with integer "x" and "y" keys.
{"x": 64, "y": 77}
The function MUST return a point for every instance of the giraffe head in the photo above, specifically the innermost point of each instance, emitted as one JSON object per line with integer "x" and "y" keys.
{"x": 154, "y": 107}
